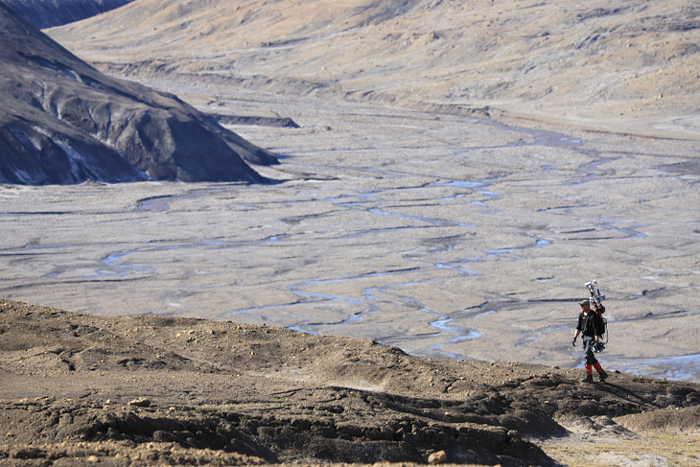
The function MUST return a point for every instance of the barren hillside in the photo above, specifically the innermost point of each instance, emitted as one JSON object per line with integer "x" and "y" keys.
{"x": 613, "y": 65}
{"x": 62, "y": 121}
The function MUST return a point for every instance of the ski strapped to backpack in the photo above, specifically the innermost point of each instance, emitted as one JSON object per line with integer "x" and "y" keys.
{"x": 596, "y": 301}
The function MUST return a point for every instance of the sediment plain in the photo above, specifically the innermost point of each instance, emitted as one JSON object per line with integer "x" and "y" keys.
{"x": 447, "y": 236}
{"x": 405, "y": 214}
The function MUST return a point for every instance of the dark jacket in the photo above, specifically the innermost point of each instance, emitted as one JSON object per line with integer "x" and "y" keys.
{"x": 591, "y": 325}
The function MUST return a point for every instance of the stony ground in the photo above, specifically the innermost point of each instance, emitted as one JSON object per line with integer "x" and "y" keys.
{"x": 143, "y": 390}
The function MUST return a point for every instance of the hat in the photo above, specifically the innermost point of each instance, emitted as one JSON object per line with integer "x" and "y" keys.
{"x": 584, "y": 303}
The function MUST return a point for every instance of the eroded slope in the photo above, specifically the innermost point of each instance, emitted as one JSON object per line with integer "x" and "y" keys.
{"x": 620, "y": 65}
{"x": 64, "y": 122}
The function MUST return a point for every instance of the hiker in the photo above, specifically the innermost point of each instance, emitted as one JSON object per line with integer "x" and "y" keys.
{"x": 590, "y": 326}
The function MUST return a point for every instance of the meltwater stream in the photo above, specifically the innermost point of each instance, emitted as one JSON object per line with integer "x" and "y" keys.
{"x": 369, "y": 303}
{"x": 341, "y": 208}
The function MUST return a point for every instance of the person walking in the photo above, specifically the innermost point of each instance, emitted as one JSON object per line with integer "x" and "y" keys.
{"x": 590, "y": 327}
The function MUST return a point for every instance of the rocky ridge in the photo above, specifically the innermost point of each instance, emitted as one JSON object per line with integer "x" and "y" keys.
{"x": 64, "y": 122}
{"x": 46, "y": 14}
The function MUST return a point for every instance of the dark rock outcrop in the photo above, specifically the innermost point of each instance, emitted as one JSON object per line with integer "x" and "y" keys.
{"x": 62, "y": 121}
{"x": 49, "y": 13}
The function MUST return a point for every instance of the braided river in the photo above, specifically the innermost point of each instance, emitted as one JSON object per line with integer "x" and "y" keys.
{"x": 448, "y": 236}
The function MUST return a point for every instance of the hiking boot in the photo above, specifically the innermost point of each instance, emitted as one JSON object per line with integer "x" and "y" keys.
{"x": 587, "y": 379}
{"x": 603, "y": 376}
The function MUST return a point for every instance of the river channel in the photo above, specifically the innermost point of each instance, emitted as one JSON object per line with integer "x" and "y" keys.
{"x": 447, "y": 236}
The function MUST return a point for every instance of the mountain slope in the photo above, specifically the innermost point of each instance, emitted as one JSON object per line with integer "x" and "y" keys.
{"x": 64, "y": 122}
{"x": 631, "y": 65}
{"x": 49, "y": 13}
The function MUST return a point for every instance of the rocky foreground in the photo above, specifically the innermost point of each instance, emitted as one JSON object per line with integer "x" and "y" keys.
{"x": 78, "y": 388}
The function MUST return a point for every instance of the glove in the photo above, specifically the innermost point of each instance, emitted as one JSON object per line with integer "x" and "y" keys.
{"x": 573, "y": 342}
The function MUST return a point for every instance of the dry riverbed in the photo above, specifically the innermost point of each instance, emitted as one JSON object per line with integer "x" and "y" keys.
{"x": 448, "y": 237}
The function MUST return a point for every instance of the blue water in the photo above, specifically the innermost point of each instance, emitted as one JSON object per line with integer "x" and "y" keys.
{"x": 671, "y": 368}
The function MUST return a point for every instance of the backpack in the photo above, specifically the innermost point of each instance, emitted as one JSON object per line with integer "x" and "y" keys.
{"x": 603, "y": 323}
{"x": 595, "y": 317}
